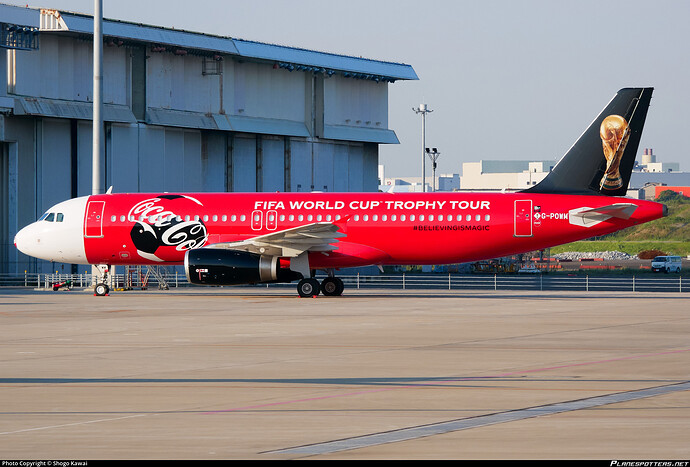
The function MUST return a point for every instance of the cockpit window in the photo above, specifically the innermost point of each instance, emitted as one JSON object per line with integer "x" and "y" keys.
{"x": 59, "y": 217}
{"x": 50, "y": 217}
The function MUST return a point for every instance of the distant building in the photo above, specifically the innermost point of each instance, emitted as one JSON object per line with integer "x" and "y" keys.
{"x": 444, "y": 182}
{"x": 499, "y": 175}
{"x": 651, "y": 191}
{"x": 639, "y": 180}
{"x": 649, "y": 164}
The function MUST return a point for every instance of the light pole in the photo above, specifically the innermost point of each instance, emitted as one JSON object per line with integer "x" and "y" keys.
{"x": 423, "y": 109}
{"x": 96, "y": 184}
{"x": 433, "y": 155}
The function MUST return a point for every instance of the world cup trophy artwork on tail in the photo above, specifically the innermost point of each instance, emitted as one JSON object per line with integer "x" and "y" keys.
{"x": 614, "y": 134}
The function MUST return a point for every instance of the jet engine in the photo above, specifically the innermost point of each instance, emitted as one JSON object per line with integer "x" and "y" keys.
{"x": 210, "y": 266}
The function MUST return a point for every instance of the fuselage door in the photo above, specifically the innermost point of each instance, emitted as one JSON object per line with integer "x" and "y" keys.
{"x": 523, "y": 218}
{"x": 93, "y": 225}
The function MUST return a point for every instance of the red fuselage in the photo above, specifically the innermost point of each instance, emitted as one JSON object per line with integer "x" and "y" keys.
{"x": 378, "y": 228}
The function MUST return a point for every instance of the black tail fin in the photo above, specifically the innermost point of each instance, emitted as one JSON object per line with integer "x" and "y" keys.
{"x": 603, "y": 158}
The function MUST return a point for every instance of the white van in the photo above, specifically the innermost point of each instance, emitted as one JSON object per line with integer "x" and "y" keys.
{"x": 666, "y": 264}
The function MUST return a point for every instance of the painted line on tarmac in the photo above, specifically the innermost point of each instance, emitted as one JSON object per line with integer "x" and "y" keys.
{"x": 64, "y": 425}
{"x": 439, "y": 381}
{"x": 476, "y": 422}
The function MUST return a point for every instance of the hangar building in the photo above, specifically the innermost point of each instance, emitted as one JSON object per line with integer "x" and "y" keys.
{"x": 183, "y": 111}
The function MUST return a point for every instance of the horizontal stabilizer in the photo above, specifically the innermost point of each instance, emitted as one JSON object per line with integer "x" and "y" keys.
{"x": 588, "y": 217}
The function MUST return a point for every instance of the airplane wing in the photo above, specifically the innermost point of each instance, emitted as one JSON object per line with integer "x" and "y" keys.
{"x": 319, "y": 236}
{"x": 587, "y": 217}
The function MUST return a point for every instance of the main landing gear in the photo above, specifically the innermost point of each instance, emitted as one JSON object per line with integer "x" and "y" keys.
{"x": 309, "y": 287}
{"x": 330, "y": 286}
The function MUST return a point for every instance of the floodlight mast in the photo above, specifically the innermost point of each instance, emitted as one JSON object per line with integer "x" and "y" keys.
{"x": 423, "y": 109}
{"x": 433, "y": 154}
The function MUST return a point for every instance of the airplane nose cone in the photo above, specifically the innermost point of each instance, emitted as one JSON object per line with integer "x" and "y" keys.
{"x": 21, "y": 241}
{"x": 28, "y": 241}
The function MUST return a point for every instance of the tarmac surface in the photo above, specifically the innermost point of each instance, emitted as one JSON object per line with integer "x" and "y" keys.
{"x": 255, "y": 373}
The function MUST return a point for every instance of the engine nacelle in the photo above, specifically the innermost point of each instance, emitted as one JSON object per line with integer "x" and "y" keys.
{"x": 211, "y": 266}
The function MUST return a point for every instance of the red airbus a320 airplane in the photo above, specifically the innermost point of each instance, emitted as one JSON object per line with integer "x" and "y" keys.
{"x": 241, "y": 238}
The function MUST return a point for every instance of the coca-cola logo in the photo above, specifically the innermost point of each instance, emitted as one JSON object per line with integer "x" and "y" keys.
{"x": 159, "y": 233}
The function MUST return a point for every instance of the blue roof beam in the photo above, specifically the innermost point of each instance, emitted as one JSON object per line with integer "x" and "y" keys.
{"x": 329, "y": 72}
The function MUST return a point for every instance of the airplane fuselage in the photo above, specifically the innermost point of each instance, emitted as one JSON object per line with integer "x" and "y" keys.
{"x": 378, "y": 228}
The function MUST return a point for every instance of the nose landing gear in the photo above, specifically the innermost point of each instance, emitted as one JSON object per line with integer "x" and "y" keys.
{"x": 101, "y": 271}
{"x": 101, "y": 289}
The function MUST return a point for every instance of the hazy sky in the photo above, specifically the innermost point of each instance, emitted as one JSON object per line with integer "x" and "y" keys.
{"x": 505, "y": 79}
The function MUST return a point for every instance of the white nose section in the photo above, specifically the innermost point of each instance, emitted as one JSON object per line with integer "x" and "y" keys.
{"x": 27, "y": 241}
{"x": 59, "y": 241}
